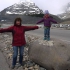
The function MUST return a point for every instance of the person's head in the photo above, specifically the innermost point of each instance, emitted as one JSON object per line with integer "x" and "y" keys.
{"x": 17, "y": 22}
{"x": 46, "y": 14}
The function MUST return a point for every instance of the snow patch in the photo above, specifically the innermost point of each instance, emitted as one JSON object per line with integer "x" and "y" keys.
{"x": 16, "y": 12}
{"x": 8, "y": 12}
{"x": 35, "y": 8}
{"x": 3, "y": 20}
{"x": 17, "y": 8}
{"x": 31, "y": 11}
{"x": 64, "y": 17}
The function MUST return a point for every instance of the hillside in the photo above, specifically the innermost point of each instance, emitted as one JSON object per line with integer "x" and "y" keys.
{"x": 28, "y": 11}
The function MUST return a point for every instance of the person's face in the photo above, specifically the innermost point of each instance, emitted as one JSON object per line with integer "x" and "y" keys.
{"x": 18, "y": 22}
{"x": 46, "y": 15}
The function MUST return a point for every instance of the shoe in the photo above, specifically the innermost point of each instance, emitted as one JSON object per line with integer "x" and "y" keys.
{"x": 13, "y": 67}
{"x": 22, "y": 64}
{"x": 19, "y": 65}
{"x": 48, "y": 39}
{"x": 45, "y": 38}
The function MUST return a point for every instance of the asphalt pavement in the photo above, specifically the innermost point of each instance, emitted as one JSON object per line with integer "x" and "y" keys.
{"x": 61, "y": 34}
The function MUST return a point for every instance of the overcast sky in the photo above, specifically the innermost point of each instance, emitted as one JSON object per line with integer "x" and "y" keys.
{"x": 54, "y": 6}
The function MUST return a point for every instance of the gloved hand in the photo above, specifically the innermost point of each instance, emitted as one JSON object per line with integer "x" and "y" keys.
{"x": 40, "y": 26}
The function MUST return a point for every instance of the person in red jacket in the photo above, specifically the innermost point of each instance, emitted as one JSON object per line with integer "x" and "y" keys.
{"x": 18, "y": 42}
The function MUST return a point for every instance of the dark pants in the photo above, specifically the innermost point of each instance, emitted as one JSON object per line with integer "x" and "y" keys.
{"x": 15, "y": 54}
{"x": 46, "y": 33}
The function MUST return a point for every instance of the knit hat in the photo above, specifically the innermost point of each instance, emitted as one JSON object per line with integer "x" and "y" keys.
{"x": 46, "y": 12}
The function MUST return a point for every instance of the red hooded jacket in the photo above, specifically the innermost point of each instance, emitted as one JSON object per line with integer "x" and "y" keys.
{"x": 18, "y": 33}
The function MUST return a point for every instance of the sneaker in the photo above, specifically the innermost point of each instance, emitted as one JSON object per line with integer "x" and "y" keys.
{"x": 22, "y": 64}
{"x": 45, "y": 38}
{"x": 48, "y": 39}
{"x": 13, "y": 67}
{"x": 19, "y": 65}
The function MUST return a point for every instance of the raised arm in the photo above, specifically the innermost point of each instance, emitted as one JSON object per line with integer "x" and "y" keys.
{"x": 42, "y": 20}
{"x": 28, "y": 28}
{"x": 9, "y": 29}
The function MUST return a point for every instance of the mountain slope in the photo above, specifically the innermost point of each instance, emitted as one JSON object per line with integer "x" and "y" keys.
{"x": 66, "y": 13}
{"x": 22, "y": 8}
{"x": 28, "y": 11}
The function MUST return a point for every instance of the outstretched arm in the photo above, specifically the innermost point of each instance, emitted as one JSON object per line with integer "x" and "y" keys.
{"x": 28, "y": 28}
{"x": 6, "y": 29}
{"x": 42, "y": 20}
{"x": 52, "y": 20}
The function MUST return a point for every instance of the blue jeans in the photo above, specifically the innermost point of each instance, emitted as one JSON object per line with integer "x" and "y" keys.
{"x": 15, "y": 54}
{"x": 46, "y": 33}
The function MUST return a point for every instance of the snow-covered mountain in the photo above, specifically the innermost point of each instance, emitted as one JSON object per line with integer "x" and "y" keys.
{"x": 23, "y": 7}
{"x": 66, "y": 13}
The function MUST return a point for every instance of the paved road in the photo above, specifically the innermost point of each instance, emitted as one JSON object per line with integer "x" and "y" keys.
{"x": 63, "y": 35}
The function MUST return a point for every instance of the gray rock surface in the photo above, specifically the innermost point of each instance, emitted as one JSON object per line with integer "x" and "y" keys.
{"x": 53, "y": 55}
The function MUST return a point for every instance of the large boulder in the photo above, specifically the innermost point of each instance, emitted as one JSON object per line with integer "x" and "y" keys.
{"x": 53, "y": 55}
